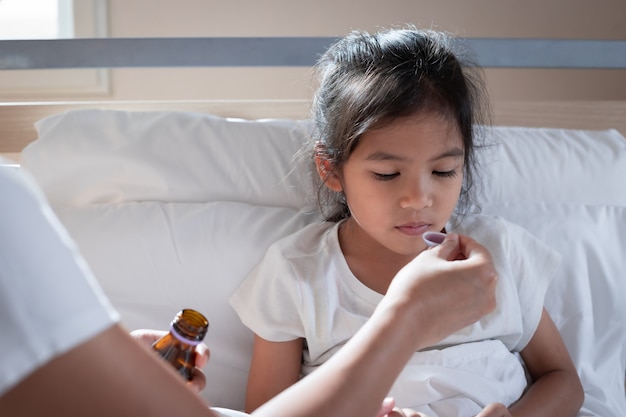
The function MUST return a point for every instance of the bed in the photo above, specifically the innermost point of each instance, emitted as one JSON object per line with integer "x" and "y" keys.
{"x": 173, "y": 202}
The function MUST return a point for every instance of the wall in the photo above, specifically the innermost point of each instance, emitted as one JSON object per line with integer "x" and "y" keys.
{"x": 561, "y": 19}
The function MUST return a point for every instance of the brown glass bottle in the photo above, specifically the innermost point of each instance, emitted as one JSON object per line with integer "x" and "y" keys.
{"x": 178, "y": 347}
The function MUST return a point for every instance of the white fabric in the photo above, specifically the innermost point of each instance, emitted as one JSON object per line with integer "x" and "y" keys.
{"x": 154, "y": 258}
{"x": 565, "y": 186}
{"x": 166, "y": 156}
{"x": 460, "y": 380}
{"x": 586, "y": 300}
{"x": 568, "y": 188}
{"x": 554, "y": 166}
{"x": 49, "y": 301}
{"x": 304, "y": 288}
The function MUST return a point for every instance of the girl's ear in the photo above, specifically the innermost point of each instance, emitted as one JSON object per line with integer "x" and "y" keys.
{"x": 326, "y": 169}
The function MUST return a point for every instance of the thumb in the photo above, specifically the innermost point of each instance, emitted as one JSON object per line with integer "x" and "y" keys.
{"x": 449, "y": 248}
{"x": 386, "y": 407}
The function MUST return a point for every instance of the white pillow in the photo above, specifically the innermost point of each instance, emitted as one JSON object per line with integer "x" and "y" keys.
{"x": 153, "y": 259}
{"x": 554, "y": 165}
{"x": 172, "y": 210}
{"x": 104, "y": 156}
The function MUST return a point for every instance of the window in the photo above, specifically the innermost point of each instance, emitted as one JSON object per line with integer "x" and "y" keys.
{"x": 36, "y": 19}
{"x": 50, "y": 19}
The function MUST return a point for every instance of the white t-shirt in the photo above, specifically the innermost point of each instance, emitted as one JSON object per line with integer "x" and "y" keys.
{"x": 303, "y": 288}
{"x": 49, "y": 300}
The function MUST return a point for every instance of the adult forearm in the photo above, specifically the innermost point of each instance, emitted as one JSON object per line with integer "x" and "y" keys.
{"x": 108, "y": 375}
{"x": 354, "y": 381}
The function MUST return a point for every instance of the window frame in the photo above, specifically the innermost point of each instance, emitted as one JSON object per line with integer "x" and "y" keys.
{"x": 90, "y": 20}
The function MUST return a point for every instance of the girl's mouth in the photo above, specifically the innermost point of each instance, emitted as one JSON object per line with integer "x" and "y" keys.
{"x": 413, "y": 229}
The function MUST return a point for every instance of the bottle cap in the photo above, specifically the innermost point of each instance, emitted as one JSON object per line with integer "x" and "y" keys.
{"x": 189, "y": 326}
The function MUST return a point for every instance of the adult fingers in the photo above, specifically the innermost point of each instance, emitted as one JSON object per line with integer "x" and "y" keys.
{"x": 147, "y": 336}
{"x": 405, "y": 412}
{"x": 386, "y": 407}
{"x": 449, "y": 248}
{"x": 494, "y": 410}
{"x": 198, "y": 380}
{"x": 202, "y": 355}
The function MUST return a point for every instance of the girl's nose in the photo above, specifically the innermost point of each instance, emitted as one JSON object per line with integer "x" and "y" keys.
{"x": 417, "y": 195}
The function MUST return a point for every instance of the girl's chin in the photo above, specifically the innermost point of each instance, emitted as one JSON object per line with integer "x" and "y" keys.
{"x": 408, "y": 252}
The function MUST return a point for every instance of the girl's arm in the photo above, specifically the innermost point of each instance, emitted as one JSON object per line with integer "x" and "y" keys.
{"x": 275, "y": 366}
{"x": 556, "y": 389}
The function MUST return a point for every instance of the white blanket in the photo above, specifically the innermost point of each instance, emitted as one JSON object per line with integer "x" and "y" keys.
{"x": 459, "y": 381}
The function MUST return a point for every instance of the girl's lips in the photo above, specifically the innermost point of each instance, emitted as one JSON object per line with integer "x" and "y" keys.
{"x": 413, "y": 229}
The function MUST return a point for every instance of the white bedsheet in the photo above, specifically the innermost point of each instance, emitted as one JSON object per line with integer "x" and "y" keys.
{"x": 459, "y": 381}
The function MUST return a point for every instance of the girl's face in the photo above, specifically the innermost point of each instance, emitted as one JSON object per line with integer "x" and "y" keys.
{"x": 402, "y": 180}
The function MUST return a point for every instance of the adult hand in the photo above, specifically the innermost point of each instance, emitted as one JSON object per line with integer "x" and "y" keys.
{"x": 386, "y": 407}
{"x": 454, "y": 283}
{"x": 495, "y": 410}
{"x": 389, "y": 409}
{"x": 198, "y": 381}
{"x": 405, "y": 412}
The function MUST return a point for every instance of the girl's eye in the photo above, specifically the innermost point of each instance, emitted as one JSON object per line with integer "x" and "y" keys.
{"x": 446, "y": 174}
{"x": 385, "y": 177}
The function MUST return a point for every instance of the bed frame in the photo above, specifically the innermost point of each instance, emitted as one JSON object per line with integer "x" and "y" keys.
{"x": 17, "y": 119}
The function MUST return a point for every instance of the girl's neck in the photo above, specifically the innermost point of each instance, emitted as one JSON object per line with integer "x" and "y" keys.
{"x": 371, "y": 263}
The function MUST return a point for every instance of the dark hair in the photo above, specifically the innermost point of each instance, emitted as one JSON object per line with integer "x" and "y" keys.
{"x": 368, "y": 81}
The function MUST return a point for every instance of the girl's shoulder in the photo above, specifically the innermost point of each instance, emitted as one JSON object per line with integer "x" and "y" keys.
{"x": 309, "y": 240}
{"x": 475, "y": 225}
{"x": 302, "y": 255}
{"x": 500, "y": 235}
{"x": 495, "y": 232}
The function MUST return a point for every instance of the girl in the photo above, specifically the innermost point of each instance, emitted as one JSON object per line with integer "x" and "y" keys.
{"x": 395, "y": 118}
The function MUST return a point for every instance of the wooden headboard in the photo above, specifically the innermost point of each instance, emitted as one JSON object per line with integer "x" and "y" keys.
{"x": 17, "y": 119}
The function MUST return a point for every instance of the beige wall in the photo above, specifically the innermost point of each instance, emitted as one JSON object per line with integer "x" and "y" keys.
{"x": 567, "y": 19}
{"x": 564, "y": 19}
{"x": 489, "y": 18}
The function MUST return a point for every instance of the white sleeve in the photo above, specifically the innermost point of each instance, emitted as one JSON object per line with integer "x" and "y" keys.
{"x": 49, "y": 300}
{"x": 267, "y": 301}
{"x": 534, "y": 265}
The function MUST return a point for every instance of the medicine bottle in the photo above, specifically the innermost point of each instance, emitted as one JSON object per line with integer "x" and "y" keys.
{"x": 178, "y": 347}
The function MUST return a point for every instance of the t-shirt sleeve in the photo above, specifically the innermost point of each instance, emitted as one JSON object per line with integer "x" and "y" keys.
{"x": 534, "y": 265}
{"x": 49, "y": 300}
{"x": 267, "y": 301}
